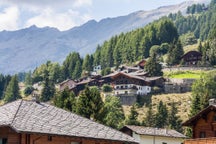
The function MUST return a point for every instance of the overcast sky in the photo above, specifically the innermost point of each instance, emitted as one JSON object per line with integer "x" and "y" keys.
{"x": 65, "y": 14}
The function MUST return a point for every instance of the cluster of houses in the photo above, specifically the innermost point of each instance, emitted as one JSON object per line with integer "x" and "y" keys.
{"x": 129, "y": 82}
{"x": 126, "y": 83}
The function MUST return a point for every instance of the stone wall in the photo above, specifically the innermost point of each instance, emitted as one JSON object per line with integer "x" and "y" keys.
{"x": 178, "y": 85}
{"x": 127, "y": 100}
{"x": 170, "y": 69}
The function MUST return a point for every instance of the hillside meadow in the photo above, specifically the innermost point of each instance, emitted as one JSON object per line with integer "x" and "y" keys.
{"x": 182, "y": 101}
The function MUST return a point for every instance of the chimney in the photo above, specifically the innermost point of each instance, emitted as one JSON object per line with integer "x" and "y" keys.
{"x": 35, "y": 97}
{"x": 212, "y": 101}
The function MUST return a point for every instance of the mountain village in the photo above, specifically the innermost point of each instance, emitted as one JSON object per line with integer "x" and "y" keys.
{"x": 152, "y": 85}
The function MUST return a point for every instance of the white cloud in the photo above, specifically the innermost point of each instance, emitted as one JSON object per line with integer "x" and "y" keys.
{"x": 9, "y": 18}
{"x": 48, "y": 3}
{"x": 62, "y": 14}
{"x": 80, "y": 3}
{"x": 62, "y": 21}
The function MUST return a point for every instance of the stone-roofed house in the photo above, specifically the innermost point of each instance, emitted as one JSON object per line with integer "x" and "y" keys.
{"x": 150, "y": 135}
{"x": 30, "y": 122}
{"x": 67, "y": 83}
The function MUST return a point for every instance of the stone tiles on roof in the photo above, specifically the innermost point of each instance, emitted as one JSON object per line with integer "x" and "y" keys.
{"x": 32, "y": 117}
{"x": 155, "y": 131}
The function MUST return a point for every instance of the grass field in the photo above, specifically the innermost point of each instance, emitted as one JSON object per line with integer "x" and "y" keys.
{"x": 184, "y": 74}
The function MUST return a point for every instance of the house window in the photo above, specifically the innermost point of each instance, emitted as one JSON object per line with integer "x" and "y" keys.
{"x": 3, "y": 141}
{"x": 202, "y": 134}
{"x": 49, "y": 138}
{"x": 126, "y": 92}
{"x": 27, "y": 138}
{"x": 214, "y": 118}
{"x": 164, "y": 143}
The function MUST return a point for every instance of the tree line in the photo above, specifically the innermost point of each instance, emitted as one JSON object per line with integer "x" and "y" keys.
{"x": 200, "y": 24}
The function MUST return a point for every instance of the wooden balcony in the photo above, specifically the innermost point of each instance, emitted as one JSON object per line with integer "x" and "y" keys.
{"x": 211, "y": 140}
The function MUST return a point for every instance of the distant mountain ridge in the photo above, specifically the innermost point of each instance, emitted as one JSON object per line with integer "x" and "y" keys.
{"x": 25, "y": 49}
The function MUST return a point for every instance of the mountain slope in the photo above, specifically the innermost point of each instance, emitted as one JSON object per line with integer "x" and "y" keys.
{"x": 26, "y": 49}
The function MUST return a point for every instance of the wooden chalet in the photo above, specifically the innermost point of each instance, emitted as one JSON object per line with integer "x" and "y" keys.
{"x": 126, "y": 84}
{"x": 191, "y": 58}
{"x": 30, "y": 122}
{"x": 67, "y": 83}
{"x": 151, "y": 135}
{"x": 203, "y": 125}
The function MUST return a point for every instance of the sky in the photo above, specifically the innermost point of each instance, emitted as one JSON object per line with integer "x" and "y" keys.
{"x": 65, "y": 14}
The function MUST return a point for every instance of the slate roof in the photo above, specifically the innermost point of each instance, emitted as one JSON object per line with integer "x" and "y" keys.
{"x": 42, "y": 118}
{"x": 155, "y": 131}
{"x": 113, "y": 75}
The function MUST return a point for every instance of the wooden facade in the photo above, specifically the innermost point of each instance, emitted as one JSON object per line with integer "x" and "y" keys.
{"x": 201, "y": 141}
{"x": 203, "y": 126}
{"x": 33, "y": 122}
{"x": 192, "y": 58}
{"x": 12, "y": 137}
{"x": 121, "y": 78}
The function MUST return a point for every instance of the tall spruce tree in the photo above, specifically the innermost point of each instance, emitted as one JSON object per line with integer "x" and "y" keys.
{"x": 65, "y": 100}
{"x": 149, "y": 120}
{"x": 174, "y": 121}
{"x": 161, "y": 116}
{"x": 113, "y": 112}
{"x": 132, "y": 118}
{"x": 153, "y": 67}
{"x": 174, "y": 54}
{"x": 48, "y": 90}
{"x": 12, "y": 91}
{"x": 90, "y": 104}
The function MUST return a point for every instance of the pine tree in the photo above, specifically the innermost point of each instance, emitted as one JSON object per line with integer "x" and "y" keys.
{"x": 28, "y": 78}
{"x": 195, "y": 105}
{"x": 97, "y": 104}
{"x": 2, "y": 85}
{"x": 200, "y": 48}
{"x": 90, "y": 104}
{"x": 161, "y": 115}
{"x": 174, "y": 120}
{"x": 87, "y": 64}
{"x": 132, "y": 118}
{"x": 113, "y": 112}
{"x": 48, "y": 88}
{"x": 77, "y": 70}
{"x": 65, "y": 100}
{"x": 12, "y": 91}
{"x": 153, "y": 67}
{"x": 149, "y": 120}
{"x": 175, "y": 53}
{"x": 83, "y": 106}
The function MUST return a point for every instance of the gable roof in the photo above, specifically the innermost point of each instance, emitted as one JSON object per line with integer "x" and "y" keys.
{"x": 201, "y": 114}
{"x": 66, "y": 81}
{"x": 116, "y": 74}
{"x": 32, "y": 117}
{"x": 141, "y": 130}
{"x": 192, "y": 52}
